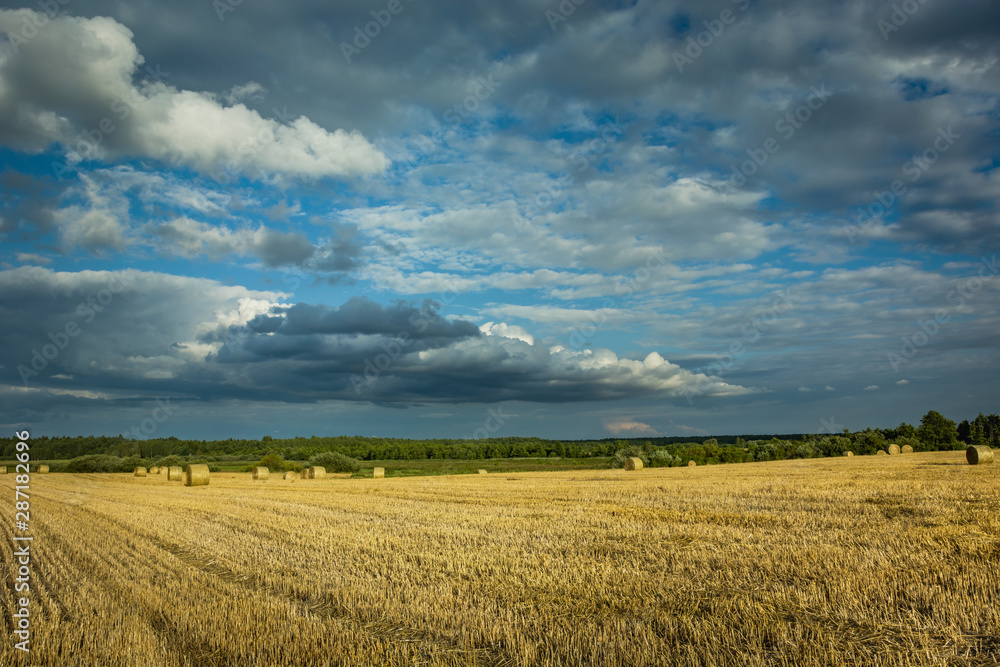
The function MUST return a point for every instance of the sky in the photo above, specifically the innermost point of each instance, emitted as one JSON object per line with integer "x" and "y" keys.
{"x": 574, "y": 219}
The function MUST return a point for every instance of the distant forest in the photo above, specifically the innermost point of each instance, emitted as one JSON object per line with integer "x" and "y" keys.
{"x": 935, "y": 432}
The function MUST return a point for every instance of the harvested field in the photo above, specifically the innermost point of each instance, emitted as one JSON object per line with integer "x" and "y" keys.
{"x": 807, "y": 562}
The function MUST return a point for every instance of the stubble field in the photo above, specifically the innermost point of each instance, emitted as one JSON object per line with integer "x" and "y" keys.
{"x": 865, "y": 561}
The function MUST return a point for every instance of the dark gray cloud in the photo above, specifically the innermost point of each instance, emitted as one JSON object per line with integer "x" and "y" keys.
{"x": 100, "y": 335}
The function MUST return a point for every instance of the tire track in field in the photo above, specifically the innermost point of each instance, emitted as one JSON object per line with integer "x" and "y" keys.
{"x": 302, "y": 605}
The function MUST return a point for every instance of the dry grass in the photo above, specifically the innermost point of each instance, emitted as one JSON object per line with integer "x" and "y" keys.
{"x": 798, "y": 563}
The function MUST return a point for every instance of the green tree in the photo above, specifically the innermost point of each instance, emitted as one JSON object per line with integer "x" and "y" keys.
{"x": 937, "y": 432}
{"x": 335, "y": 462}
{"x": 272, "y": 461}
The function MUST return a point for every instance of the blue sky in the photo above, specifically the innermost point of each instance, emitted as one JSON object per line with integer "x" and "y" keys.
{"x": 571, "y": 221}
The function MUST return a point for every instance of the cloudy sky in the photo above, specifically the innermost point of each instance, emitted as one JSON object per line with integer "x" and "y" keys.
{"x": 573, "y": 220}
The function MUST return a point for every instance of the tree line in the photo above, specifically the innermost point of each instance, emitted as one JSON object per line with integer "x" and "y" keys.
{"x": 935, "y": 432}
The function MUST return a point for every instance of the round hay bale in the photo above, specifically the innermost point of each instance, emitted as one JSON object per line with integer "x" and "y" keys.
{"x": 42, "y": 469}
{"x": 3, "y": 470}
{"x": 175, "y": 474}
{"x": 978, "y": 454}
{"x": 481, "y": 471}
{"x": 196, "y": 474}
{"x": 261, "y": 473}
{"x": 881, "y": 452}
{"x": 154, "y": 471}
{"x": 848, "y": 453}
{"x": 906, "y": 449}
{"x": 317, "y": 472}
{"x": 893, "y": 449}
{"x": 633, "y": 463}
{"x": 304, "y": 474}
{"x": 692, "y": 464}
{"x": 378, "y": 472}
{"x": 290, "y": 476}
{"x": 139, "y": 472}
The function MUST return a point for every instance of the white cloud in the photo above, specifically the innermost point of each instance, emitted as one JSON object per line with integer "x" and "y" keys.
{"x": 902, "y": 382}
{"x": 871, "y": 387}
{"x": 507, "y": 331}
{"x": 102, "y": 223}
{"x": 623, "y": 426}
{"x": 191, "y": 238}
{"x": 73, "y": 83}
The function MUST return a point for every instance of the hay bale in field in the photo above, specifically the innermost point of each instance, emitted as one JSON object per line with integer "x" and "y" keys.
{"x": 290, "y": 476}
{"x": 154, "y": 471}
{"x": 691, "y": 464}
{"x": 633, "y": 463}
{"x": 978, "y": 454}
{"x": 3, "y": 470}
{"x": 304, "y": 474}
{"x": 196, "y": 474}
{"x": 893, "y": 450}
{"x": 906, "y": 449}
{"x": 481, "y": 471}
{"x": 881, "y": 452}
{"x": 261, "y": 473}
{"x": 175, "y": 474}
{"x": 139, "y": 472}
{"x": 378, "y": 472}
{"x": 42, "y": 469}
{"x": 317, "y": 472}
{"x": 848, "y": 453}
